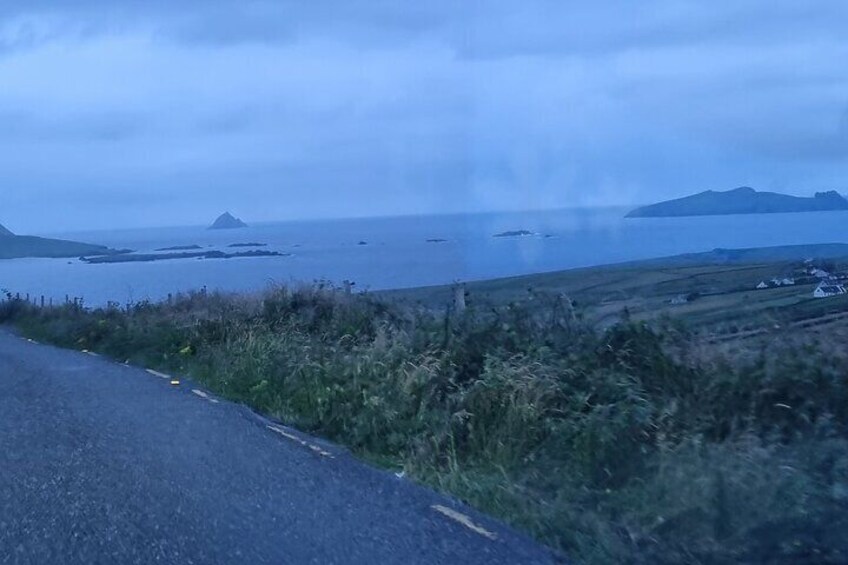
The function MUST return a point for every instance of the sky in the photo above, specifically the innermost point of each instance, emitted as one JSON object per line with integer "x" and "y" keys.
{"x": 155, "y": 112}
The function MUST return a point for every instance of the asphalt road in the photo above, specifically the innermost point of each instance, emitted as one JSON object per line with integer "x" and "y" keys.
{"x": 104, "y": 463}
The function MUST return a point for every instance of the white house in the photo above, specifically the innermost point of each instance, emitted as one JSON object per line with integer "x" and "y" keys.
{"x": 826, "y": 290}
{"x": 785, "y": 281}
{"x": 762, "y": 285}
{"x": 819, "y": 273}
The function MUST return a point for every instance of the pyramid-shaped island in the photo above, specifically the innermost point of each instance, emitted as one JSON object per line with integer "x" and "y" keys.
{"x": 227, "y": 221}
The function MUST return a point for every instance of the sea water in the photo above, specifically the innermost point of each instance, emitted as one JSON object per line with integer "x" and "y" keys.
{"x": 382, "y": 253}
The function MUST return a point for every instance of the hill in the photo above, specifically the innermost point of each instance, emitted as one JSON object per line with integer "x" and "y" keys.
{"x": 227, "y": 221}
{"x": 743, "y": 200}
{"x": 4, "y": 231}
{"x": 20, "y": 246}
{"x": 614, "y": 286}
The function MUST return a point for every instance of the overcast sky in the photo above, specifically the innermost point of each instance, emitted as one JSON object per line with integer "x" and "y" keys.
{"x": 165, "y": 112}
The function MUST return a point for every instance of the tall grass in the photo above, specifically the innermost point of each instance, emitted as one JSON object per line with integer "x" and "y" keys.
{"x": 627, "y": 445}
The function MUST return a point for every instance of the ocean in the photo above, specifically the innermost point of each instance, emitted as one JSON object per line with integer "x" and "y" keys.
{"x": 384, "y": 253}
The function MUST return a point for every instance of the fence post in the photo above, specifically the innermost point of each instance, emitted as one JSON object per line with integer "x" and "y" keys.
{"x": 459, "y": 297}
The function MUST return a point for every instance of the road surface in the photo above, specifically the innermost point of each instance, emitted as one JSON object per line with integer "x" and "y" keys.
{"x": 104, "y": 463}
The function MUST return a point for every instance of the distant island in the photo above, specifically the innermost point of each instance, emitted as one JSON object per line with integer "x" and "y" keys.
{"x": 179, "y": 248}
{"x": 249, "y": 244}
{"x": 227, "y": 221}
{"x": 743, "y": 200}
{"x": 150, "y": 257}
{"x": 514, "y": 233}
{"x": 20, "y": 246}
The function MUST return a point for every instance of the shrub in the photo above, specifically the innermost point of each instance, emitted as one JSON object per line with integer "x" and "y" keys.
{"x": 628, "y": 444}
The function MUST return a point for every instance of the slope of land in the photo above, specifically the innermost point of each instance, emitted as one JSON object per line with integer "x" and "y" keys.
{"x": 744, "y": 200}
{"x": 4, "y": 231}
{"x": 20, "y": 246}
{"x": 723, "y": 256}
{"x": 714, "y": 291}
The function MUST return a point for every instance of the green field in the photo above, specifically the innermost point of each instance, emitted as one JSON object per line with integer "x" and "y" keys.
{"x": 722, "y": 298}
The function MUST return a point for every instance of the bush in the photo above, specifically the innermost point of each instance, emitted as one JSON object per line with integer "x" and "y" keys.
{"x": 623, "y": 445}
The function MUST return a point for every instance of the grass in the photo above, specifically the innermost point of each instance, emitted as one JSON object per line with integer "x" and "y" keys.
{"x": 633, "y": 444}
{"x": 723, "y": 295}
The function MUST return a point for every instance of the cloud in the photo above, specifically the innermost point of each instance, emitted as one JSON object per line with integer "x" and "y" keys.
{"x": 288, "y": 109}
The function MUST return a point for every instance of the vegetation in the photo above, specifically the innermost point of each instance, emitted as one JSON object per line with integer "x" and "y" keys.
{"x": 632, "y": 444}
{"x": 715, "y": 293}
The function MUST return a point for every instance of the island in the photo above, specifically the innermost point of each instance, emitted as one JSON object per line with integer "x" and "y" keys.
{"x": 249, "y": 244}
{"x": 21, "y": 246}
{"x": 150, "y": 257}
{"x": 743, "y": 200}
{"x": 514, "y": 233}
{"x": 179, "y": 248}
{"x": 227, "y": 221}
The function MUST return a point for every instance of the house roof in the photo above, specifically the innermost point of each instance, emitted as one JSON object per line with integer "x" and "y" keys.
{"x": 832, "y": 289}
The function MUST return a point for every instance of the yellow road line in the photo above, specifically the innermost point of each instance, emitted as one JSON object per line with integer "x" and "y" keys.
{"x": 464, "y": 520}
{"x": 158, "y": 374}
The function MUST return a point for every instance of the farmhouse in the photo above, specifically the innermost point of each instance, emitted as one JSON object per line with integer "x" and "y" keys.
{"x": 762, "y": 285}
{"x": 826, "y": 290}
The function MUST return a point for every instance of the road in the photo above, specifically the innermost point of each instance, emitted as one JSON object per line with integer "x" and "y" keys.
{"x": 105, "y": 463}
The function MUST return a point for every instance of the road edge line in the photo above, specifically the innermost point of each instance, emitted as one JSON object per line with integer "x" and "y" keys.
{"x": 464, "y": 520}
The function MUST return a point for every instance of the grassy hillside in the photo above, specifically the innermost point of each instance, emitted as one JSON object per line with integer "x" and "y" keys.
{"x": 630, "y": 444}
{"x": 719, "y": 288}
{"x": 17, "y": 246}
